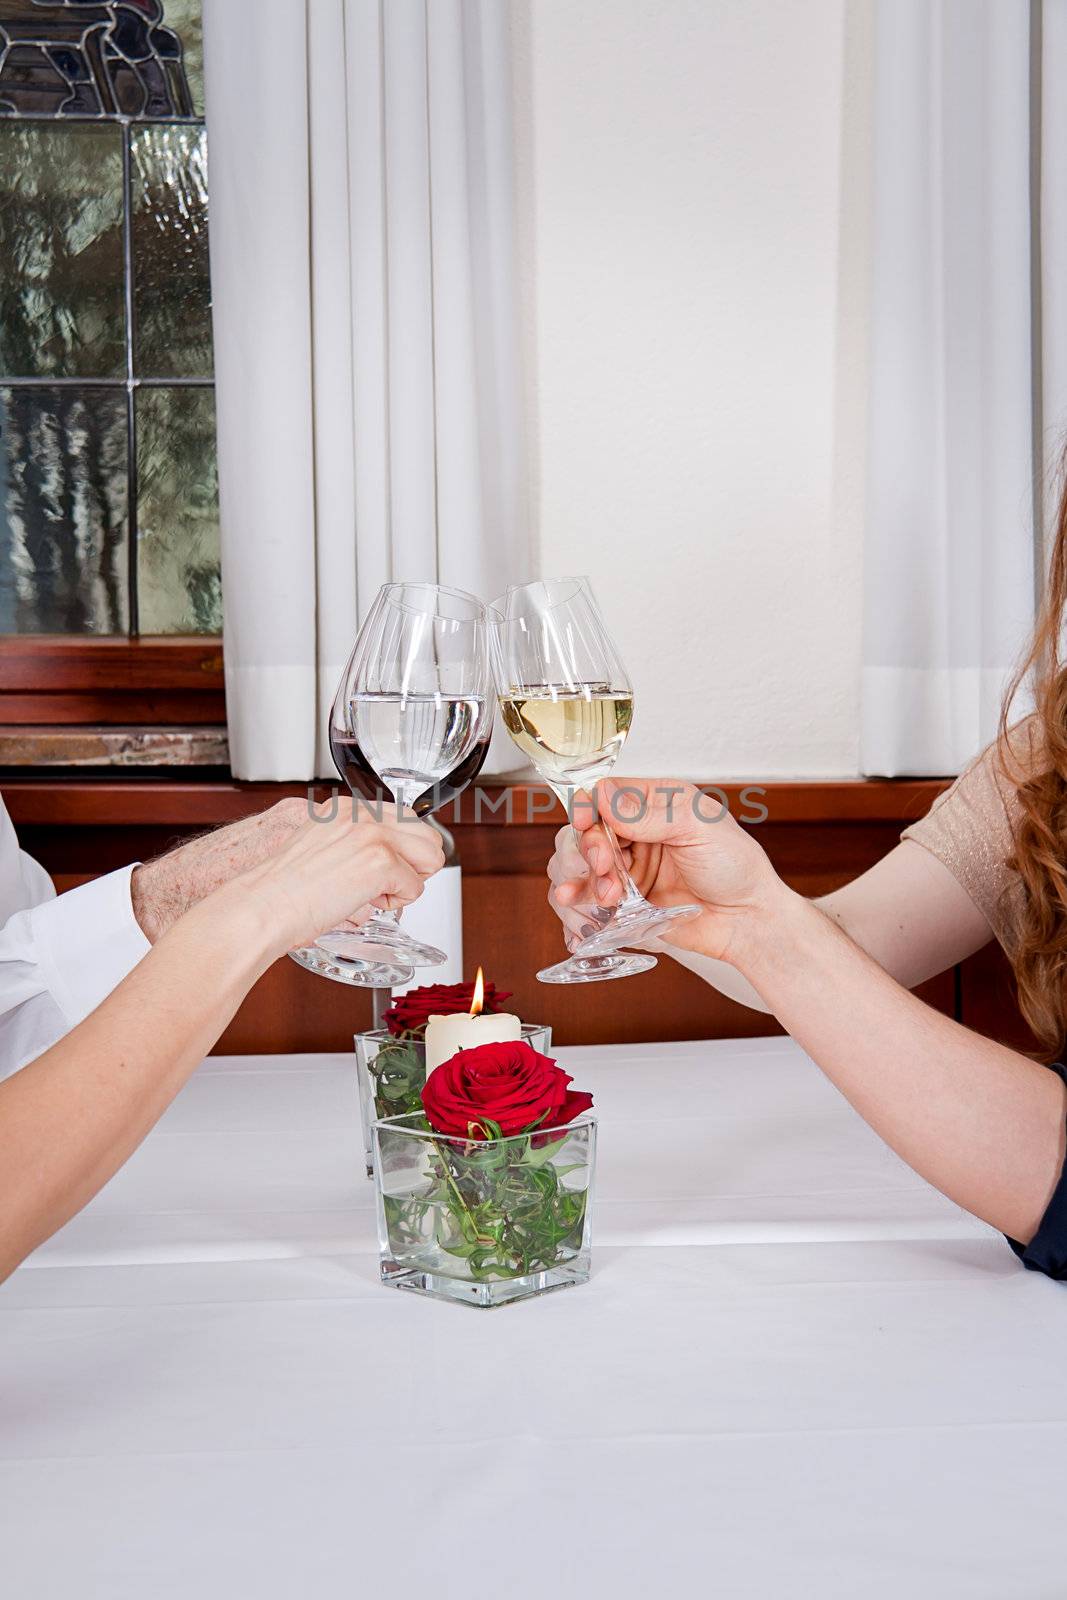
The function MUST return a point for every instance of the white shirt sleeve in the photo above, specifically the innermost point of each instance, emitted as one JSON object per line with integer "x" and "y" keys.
{"x": 59, "y": 955}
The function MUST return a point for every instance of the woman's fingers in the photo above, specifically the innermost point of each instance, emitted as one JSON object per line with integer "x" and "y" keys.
{"x": 603, "y": 865}
{"x": 568, "y": 871}
{"x": 577, "y": 923}
{"x": 567, "y": 865}
{"x": 583, "y": 810}
{"x": 583, "y": 868}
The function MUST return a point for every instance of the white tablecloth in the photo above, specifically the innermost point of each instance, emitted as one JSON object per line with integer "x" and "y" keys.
{"x": 797, "y": 1370}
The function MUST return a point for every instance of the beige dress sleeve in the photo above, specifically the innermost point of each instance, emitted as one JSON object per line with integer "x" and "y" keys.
{"x": 970, "y": 829}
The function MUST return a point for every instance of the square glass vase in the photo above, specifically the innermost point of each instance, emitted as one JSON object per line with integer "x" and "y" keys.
{"x": 391, "y": 1072}
{"x": 483, "y": 1222}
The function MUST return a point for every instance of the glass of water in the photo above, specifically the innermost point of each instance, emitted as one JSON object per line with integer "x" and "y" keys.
{"x": 411, "y": 720}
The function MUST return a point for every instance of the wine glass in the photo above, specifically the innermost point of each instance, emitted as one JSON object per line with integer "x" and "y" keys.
{"x": 411, "y": 719}
{"x": 567, "y": 702}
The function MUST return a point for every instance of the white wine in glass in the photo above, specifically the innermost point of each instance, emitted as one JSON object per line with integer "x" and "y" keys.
{"x": 570, "y": 737}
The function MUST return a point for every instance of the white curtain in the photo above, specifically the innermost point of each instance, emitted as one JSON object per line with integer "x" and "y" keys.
{"x": 950, "y": 537}
{"x": 366, "y": 334}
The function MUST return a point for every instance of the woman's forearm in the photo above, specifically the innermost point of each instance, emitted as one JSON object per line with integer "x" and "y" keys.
{"x": 72, "y": 1117}
{"x": 718, "y": 975}
{"x": 908, "y": 912}
{"x": 982, "y": 1123}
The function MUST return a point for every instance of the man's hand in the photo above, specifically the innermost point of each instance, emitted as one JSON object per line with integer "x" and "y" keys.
{"x": 337, "y": 865}
{"x": 162, "y": 890}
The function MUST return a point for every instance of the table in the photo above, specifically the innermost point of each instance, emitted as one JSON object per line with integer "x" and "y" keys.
{"x": 797, "y": 1370}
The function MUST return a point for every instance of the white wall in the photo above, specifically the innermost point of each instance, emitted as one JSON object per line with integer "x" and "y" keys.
{"x": 694, "y": 241}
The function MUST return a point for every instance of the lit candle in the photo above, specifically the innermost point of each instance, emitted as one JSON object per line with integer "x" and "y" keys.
{"x": 446, "y": 1035}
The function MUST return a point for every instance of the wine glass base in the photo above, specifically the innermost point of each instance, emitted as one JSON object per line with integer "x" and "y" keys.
{"x": 360, "y": 974}
{"x": 633, "y": 927}
{"x": 597, "y": 969}
{"x": 370, "y": 945}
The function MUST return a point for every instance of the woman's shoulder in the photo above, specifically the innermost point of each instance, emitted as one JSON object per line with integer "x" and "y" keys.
{"x": 988, "y": 787}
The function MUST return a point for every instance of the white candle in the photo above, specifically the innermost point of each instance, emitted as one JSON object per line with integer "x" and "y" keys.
{"x": 446, "y": 1035}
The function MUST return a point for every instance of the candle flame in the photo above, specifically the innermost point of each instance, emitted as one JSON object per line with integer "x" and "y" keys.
{"x": 479, "y": 995}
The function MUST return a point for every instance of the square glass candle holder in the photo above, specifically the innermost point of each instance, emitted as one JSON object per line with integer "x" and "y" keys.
{"x": 488, "y": 1221}
{"x": 391, "y": 1072}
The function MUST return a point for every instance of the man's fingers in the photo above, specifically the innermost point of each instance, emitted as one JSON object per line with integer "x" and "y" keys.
{"x": 419, "y": 845}
{"x": 404, "y": 885}
{"x": 356, "y": 919}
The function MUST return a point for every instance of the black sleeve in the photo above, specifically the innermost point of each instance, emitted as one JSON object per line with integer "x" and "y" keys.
{"x": 1047, "y": 1250}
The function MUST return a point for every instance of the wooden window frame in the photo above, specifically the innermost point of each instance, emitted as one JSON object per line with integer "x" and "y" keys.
{"x": 49, "y": 680}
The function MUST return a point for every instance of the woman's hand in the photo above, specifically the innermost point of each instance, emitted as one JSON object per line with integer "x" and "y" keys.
{"x": 338, "y": 864}
{"x": 678, "y": 846}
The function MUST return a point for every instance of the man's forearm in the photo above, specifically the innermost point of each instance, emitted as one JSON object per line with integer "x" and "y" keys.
{"x": 164, "y": 889}
{"x": 982, "y": 1123}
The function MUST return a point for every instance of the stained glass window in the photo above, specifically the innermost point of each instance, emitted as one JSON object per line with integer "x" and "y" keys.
{"x": 108, "y": 499}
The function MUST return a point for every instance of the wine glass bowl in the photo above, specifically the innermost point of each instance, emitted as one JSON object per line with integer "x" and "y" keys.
{"x": 410, "y": 721}
{"x": 567, "y": 702}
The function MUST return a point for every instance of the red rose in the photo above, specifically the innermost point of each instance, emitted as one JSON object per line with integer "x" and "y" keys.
{"x": 413, "y": 1010}
{"x": 509, "y": 1084}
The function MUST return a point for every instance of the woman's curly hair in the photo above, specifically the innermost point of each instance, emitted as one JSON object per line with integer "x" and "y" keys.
{"x": 1036, "y": 768}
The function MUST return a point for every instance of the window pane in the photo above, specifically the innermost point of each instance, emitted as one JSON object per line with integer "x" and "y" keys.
{"x": 93, "y": 57}
{"x": 62, "y": 310}
{"x": 183, "y": 17}
{"x": 38, "y": 81}
{"x": 178, "y": 575}
{"x": 63, "y": 510}
{"x": 172, "y": 290}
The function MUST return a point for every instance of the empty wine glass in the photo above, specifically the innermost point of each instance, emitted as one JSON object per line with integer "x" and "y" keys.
{"x": 411, "y": 719}
{"x": 567, "y": 702}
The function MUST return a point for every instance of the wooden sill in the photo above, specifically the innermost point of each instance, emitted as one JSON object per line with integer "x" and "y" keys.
{"x": 195, "y": 802}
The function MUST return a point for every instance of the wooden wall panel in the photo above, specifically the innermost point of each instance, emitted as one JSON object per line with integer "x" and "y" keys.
{"x": 817, "y": 835}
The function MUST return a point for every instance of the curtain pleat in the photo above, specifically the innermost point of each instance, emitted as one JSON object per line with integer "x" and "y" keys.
{"x": 949, "y": 552}
{"x": 367, "y": 346}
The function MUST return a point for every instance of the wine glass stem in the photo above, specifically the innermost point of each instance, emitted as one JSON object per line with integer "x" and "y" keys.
{"x": 403, "y": 794}
{"x": 632, "y": 898}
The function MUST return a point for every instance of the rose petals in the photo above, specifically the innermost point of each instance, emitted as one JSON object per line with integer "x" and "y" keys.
{"x": 413, "y": 1010}
{"x": 510, "y": 1084}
